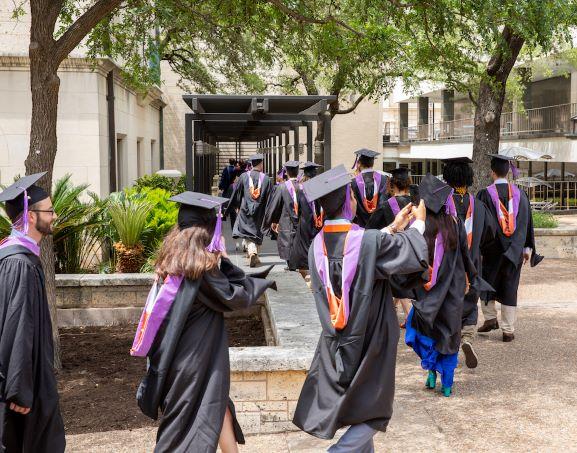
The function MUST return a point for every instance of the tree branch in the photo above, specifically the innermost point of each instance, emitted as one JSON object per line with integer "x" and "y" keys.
{"x": 352, "y": 107}
{"x": 299, "y": 17}
{"x": 82, "y": 26}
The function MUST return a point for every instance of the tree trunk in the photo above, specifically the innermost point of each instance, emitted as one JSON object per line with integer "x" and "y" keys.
{"x": 490, "y": 105}
{"x": 45, "y": 84}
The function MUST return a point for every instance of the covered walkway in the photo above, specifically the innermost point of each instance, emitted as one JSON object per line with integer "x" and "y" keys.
{"x": 280, "y": 127}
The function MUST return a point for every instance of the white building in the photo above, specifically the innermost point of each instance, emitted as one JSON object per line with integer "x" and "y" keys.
{"x": 88, "y": 116}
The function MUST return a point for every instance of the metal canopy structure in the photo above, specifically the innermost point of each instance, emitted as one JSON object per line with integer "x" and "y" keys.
{"x": 271, "y": 123}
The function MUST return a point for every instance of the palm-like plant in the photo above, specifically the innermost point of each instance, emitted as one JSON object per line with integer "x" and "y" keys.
{"x": 74, "y": 241}
{"x": 5, "y": 226}
{"x": 129, "y": 219}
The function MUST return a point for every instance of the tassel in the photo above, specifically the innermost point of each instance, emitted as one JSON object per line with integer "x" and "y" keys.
{"x": 355, "y": 163}
{"x": 347, "y": 212}
{"x": 450, "y": 207}
{"x": 514, "y": 169}
{"x": 216, "y": 244}
{"x": 282, "y": 172}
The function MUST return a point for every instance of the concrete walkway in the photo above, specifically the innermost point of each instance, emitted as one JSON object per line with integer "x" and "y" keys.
{"x": 521, "y": 398}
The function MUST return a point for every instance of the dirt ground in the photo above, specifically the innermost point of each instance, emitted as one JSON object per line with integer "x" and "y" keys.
{"x": 99, "y": 378}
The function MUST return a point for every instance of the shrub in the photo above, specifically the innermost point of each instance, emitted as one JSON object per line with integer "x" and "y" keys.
{"x": 544, "y": 220}
{"x": 160, "y": 182}
{"x": 5, "y": 227}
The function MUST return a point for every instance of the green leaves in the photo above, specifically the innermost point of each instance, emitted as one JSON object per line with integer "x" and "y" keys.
{"x": 129, "y": 219}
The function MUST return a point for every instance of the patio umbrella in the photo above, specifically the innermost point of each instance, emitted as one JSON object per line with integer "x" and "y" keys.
{"x": 530, "y": 181}
{"x": 554, "y": 173}
{"x": 521, "y": 153}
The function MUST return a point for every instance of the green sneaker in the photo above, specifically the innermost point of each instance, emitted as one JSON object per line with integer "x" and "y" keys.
{"x": 446, "y": 391}
{"x": 431, "y": 380}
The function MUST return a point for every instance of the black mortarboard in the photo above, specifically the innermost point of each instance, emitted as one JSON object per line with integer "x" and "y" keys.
{"x": 326, "y": 182}
{"x": 501, "y": 157}
{"x": 309, "y": 164}
{"x": 13, "y": 195}
{"x": 401, "y": 172}
{"x": 367, "y": 153}
{"x": 457, "y": 160}
{"x": 196, "y": 208}
{"x": 434, "y": 192}
{"x": 255, "y": 157}
{"x": 292, "y": 164}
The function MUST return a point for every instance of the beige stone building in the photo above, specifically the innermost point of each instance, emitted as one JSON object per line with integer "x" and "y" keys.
{"x": 91, "y": 95}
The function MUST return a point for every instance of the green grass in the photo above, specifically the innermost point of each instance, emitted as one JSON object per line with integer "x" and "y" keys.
{"x": 544, "y": 220}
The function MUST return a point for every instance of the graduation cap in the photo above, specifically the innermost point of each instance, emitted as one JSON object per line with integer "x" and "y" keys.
{"x": 365, "y": 154}
{"x": 22, "y": 194}
{"x": 401, "y": 172}
{"x": 292, "y": 164}
{"x": 255, "y": 158}
{"x": 503, "y": 158}
{"x": 457, "y": 160}
{"x": 310, "y": 168}
{"x": 328, "y": 182}
{"x": 436, "y": 195}
{"x": 199, "y": 209}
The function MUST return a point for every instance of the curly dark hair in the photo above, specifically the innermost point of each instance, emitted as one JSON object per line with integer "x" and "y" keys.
{"x": 458, "y": 174}
{"x": 401, "y": 182}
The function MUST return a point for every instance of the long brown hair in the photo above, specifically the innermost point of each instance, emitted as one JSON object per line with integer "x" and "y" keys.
{"x": 183, "y": 252}
{"x": 446, "y": 225}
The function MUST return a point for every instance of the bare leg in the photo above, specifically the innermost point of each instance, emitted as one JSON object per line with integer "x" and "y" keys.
{"x": 227, "y": 440}
{"x": 407, "y": 305}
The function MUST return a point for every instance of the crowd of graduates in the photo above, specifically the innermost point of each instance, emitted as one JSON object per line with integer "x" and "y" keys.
{"x": 364, "y": 242}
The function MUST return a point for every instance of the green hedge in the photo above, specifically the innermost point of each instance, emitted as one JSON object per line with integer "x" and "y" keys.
{"x": 544, "y": 220}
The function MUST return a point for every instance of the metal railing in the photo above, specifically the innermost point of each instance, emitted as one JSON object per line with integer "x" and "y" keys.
{"x": 552, "y": 119}
{"x": 555, "y": 195}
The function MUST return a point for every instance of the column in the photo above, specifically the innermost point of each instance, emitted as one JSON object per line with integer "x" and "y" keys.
{"x": 403, "y": 121}
{"x": 423, "y": 118}
{"x": 448, "y": 113}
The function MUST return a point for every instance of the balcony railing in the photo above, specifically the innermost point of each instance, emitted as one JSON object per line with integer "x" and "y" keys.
{"x": 553, "y": 119}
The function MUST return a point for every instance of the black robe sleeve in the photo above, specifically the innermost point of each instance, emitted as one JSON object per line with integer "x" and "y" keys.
{"x": 401, "y": 254}
{"x": 273, "y": 209}
{"x": 237, "y": 195}
{"x": 530, "y": 240}
{"x": 17, "y": 338}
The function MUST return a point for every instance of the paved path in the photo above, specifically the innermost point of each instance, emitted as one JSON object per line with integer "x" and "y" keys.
{"x": 521, "y": 398}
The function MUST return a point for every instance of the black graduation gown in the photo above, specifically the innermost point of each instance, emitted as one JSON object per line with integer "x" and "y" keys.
{"x": 503, "y": 257}
{"x": 306, "y": 232}
{"x": 483, "y": 234}
{"x": 232, "y": 213}
{"x": 438, "y": 312}
{"x": 384, "y": 216}
{"x": 188, "y": 377}
{"x": 280, "y": 210}
{"x": 352, "y": 376}
{"x": 27, "y": 357}
{"x": 362, "y": 217}
{"x": 251, "y": 214}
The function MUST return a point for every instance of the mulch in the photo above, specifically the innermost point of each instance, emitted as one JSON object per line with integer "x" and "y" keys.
{"x": 99, "y": 378}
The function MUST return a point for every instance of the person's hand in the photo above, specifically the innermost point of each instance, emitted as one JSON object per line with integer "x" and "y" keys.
{"x": 403, "y": 218}
{"x": 419, "y": 212}
{"x": 274, "y": 227}
{"x": 19, "y": 410}
{"x": 526, "y": 257}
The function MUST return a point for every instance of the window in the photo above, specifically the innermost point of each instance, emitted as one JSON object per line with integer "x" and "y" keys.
{"x": 120, "y": 163}
{"x": 140, "y": 159}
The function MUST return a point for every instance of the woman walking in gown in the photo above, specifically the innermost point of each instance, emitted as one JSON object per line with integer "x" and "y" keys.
{"x": 182, "y": 332}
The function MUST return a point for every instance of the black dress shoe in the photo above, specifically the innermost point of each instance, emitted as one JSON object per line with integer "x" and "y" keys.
{"x": 470, "y": 356}
{"x": 508, "y": 337}
{"x": 491, "y": 324}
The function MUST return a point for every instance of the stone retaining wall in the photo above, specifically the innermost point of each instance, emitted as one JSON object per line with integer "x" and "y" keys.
{"x": 557, "y": 243}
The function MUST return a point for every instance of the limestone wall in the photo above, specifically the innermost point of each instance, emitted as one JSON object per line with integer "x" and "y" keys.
{"x": 265, "y": 401}
{"x": 556, "y": 243}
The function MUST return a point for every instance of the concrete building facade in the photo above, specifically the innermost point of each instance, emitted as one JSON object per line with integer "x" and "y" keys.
{"x": 88, "y": 89}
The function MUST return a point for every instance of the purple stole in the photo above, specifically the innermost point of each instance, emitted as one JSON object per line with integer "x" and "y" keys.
{"x": 437, "y": 260}
{"x": 155, "y": 311}
{"x": 339, "y": 308}
{"x": 361, "y": 184}
{"x": 394, "y": 205}
{"x": 293, "y": 193}
{"x": 17, "y": 238}
{"x": 508, "y": 223}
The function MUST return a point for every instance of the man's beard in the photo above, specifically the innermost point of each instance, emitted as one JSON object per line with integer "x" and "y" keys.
{"x": 44, "y": 227}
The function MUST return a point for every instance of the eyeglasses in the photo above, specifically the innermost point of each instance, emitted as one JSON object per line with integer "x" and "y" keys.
{"x": 51, "y": 211}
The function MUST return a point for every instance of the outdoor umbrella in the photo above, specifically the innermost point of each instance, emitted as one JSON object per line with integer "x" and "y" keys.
{"x": 530, "y": 181}
{"x": 555, "y": 173}
{"x": 521, "y": 153}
